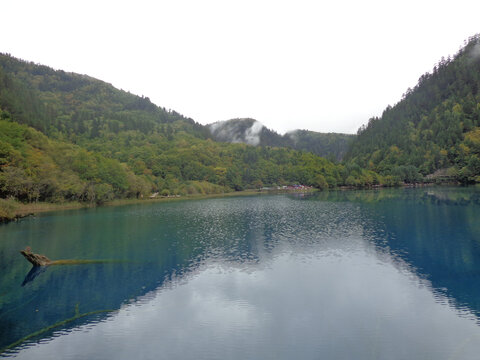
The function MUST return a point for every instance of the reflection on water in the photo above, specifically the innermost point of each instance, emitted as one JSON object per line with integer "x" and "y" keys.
{"x": 33, "y": 273}
{"x": 364, "y": 275}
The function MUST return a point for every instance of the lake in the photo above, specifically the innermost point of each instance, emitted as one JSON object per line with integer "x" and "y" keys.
{"x": 375, "y": 274}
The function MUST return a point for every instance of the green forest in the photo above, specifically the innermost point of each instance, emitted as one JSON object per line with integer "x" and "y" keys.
{"x": 435, "y": 128}
{"x": 69, "y": 137}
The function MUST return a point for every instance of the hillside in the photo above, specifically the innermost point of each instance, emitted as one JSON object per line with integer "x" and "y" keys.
{"x": 249, "y": 131}
{"x": 69, "y": 137}
{"x": 71, "y": 105}
{"x": 330, "y": 145}
{"x": 434, "y": 129}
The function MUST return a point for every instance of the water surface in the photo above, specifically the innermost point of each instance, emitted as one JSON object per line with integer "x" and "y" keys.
{"x": 391, "y": 274}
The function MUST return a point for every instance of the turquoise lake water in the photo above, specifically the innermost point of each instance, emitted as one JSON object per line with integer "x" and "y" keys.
{"x": 388, "y": 274}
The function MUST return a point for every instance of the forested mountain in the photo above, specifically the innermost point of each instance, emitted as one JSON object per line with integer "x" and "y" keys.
{"x": 65, "y": 136}
{"x": 249, "y": 131}
{"x": 71, "y": 105}
{"x": 333, "y": 146}
{"x": 435, "y": 128}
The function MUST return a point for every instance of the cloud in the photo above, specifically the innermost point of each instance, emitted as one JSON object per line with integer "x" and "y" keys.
{"x": 234, "y": 131}
{"x": 475, "y": 52}
{"x": 252, "y": 134}
{"x": 293, "y": 135}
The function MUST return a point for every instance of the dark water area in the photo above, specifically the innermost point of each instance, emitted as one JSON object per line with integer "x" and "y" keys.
{"x": 387, "y": 274}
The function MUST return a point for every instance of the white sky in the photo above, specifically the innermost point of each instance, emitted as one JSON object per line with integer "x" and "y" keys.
{"x": 320, "y": 65}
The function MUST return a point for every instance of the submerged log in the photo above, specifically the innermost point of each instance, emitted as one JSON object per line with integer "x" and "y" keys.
{"x": 42, "y": 260}
{"x": 35, "y": 259}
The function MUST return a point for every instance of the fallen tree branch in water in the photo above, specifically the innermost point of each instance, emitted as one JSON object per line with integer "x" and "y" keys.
{"x": 42, "y": 260}
{"x": 35, "y": 259}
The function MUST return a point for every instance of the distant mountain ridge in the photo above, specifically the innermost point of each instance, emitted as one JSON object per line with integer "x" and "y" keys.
{"x": 252, "y": 132}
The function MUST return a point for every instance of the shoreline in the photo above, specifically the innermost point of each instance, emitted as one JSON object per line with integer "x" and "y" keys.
{"x": 19, "y": 210}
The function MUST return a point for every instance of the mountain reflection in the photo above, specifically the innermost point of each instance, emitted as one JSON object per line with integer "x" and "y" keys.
{"x": 433, "y": 229}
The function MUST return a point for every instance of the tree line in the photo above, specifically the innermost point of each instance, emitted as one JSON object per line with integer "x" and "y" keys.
{"x": 435, "y": 128}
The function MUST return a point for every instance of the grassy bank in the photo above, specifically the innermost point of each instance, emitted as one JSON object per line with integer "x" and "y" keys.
{"x": 11, "y": 209}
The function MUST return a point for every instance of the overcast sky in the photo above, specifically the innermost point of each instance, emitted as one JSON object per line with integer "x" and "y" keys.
{"x": 320, "y": 65}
